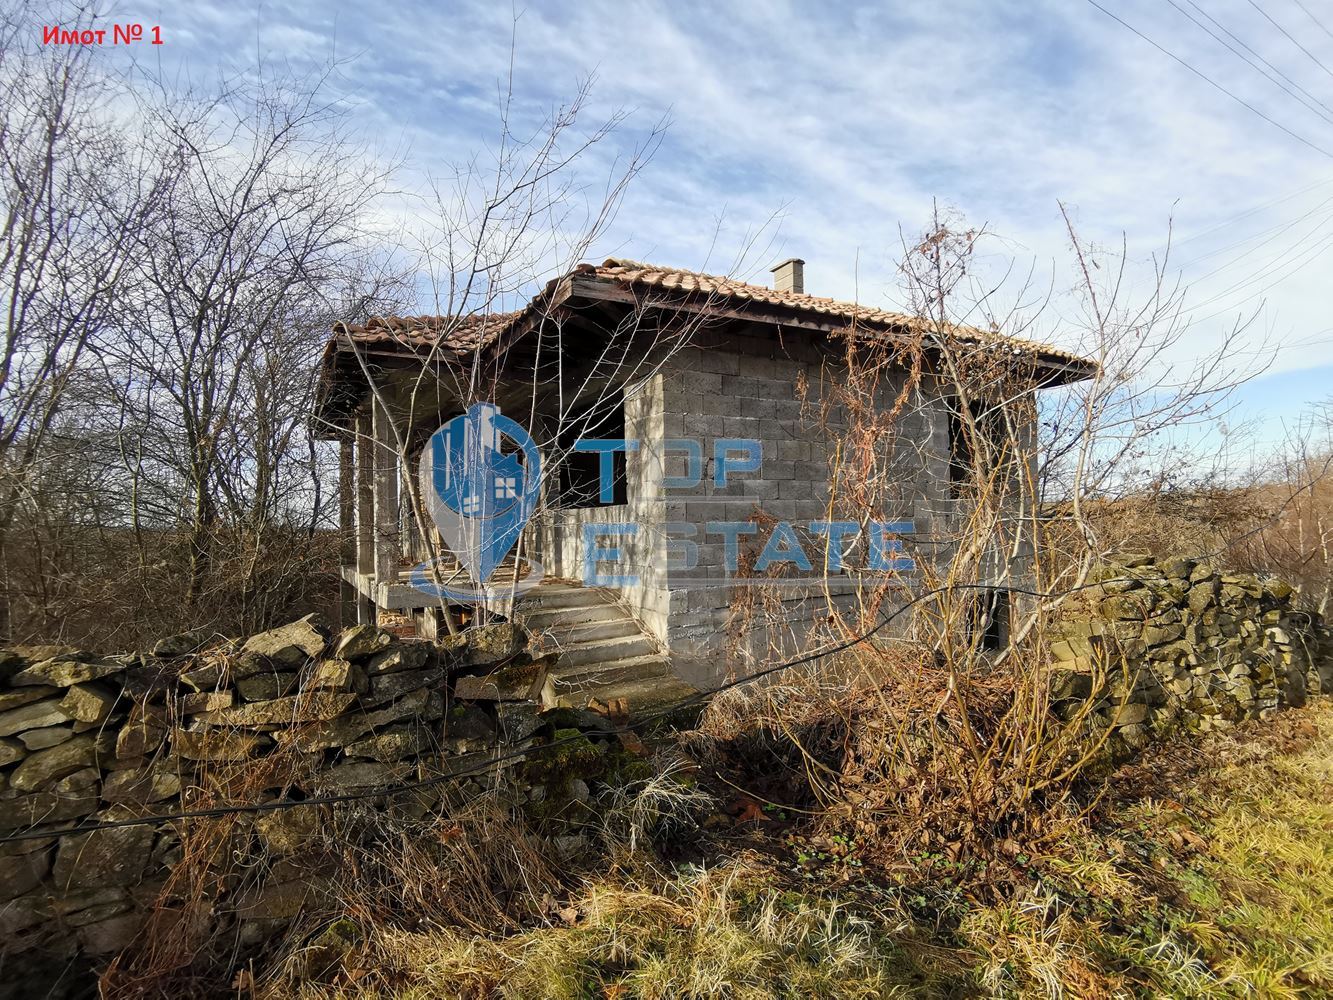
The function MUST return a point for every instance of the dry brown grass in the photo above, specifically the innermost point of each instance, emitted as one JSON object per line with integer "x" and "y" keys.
{"x": 1212, "y": 878}
{"x": 920, "y": 758}
{"x": 721, "y": 933}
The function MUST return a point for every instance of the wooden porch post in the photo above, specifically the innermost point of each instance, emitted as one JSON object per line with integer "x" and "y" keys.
{"x": 365, "y": 514}
{"x": 346, "y": 524}
{"x": 387, "y": 531}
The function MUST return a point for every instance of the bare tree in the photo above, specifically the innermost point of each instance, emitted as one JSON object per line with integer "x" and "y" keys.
{"x": 73, "y": 196}
{"x": 995, "y": 450}
{"x": 261, "y": 245}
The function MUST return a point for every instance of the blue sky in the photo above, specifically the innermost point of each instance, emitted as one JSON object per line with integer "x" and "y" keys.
{"x": 830, "y": 129}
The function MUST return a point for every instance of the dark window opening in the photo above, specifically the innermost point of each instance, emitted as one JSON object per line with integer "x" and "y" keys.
{"x": 962, "y": 449}
{"x": 960, "y": 455}
{"x": 579, "y": 481}
{"x": 988, "y": 620}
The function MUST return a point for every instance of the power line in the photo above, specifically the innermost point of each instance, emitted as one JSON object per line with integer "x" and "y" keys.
{"x": 1305, "y": 97}
{"x": 1272, "y": 232}
{"x": 1232, "y": 220}
{"x": 1312, "y": 17}
{"x": 1302, "y": 246}
{"x": 1313, "y": 254}
{"x": 1211, "y": 82}
{"x": 1291, "y": 39}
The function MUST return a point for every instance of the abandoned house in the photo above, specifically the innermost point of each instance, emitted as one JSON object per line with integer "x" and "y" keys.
{"x": 656, "y": 356}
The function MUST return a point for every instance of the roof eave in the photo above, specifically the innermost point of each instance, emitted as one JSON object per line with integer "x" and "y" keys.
{"x": 589, "y": 285}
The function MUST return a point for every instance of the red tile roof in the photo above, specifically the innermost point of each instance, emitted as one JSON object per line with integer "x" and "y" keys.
{"x": 633, "y": 274}
{"x": 456, "y": 335}
{"x": 465, "y": 333}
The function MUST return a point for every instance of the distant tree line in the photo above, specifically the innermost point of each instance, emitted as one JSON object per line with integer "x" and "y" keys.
{"x": 171, "y": 261}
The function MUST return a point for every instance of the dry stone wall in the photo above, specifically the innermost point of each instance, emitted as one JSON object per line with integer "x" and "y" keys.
{"x": 1174, "y": 643}
{"x": 299, "y": 714}
{"x": 293, "y": 714}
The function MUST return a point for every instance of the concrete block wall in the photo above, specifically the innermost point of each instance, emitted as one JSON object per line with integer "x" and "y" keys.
{"x": 733, "y": 383}
{"x": 745, "y": 386}
{"x": 643, "y": 554}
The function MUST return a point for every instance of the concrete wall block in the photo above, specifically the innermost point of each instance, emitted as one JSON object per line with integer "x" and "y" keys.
{"x": 739, "y": 427}
{"x": 699, "y": 426}
{"x": 775, "y": 430}
{"x": 691, "y": 624}
{"x": 760, "y": 488}
{"x": 705, "y": 383}
{"x": 762, "y": 409}
{"x": 811, "y": 472}
{"x": 675, "y": 506}
{"x": 770, "y": 366}
{"x": 798, "y": 489}
{"x": 782, "y": 509}
{"x": 688, "y": 403}
{"x": 746, "y": 386}
{"x": 723, "y": 362}
{"x": 700, "y": 512}
{"x": 793, "y": 451}
{"x": 675, "y": 463}
{"x": 732, "y": 489}
{"x": 702, "y": 599}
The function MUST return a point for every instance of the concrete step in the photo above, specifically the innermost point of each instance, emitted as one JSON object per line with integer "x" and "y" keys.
{"x": 564, "y": 634}
{"x": 545, "y": 618}
{"x": 643, "y": 695}
{"x": 604, "y": 651}
{"x": 547, "y": 596}
{"x": 577, "y": 654}
{"x": 619, "y": 671}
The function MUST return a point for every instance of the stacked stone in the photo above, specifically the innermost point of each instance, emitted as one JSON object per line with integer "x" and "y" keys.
{"x": 1176, "y": 643}
{"x": 290, "y": 714}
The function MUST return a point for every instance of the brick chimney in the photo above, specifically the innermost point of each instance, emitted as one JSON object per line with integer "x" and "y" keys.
{"x": 789, "y": 276}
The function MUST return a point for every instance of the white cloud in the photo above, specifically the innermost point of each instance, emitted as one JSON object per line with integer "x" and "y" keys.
{"x": 850, "y": 120}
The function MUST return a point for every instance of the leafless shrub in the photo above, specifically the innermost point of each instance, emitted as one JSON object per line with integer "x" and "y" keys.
{"x": 948, "y": 743}
{"x": 1293, "y": 534}
{"x": 665, "y": 804}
